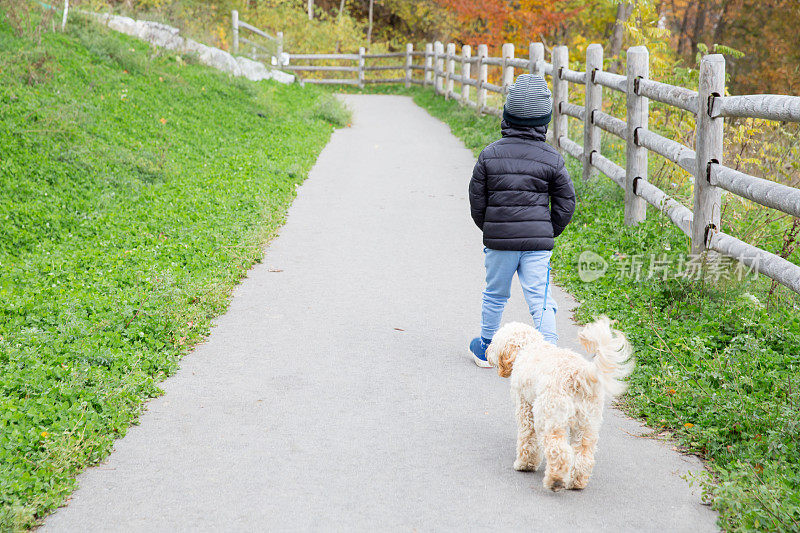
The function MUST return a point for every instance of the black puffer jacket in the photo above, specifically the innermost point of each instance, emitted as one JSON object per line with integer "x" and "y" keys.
{"x": 520, "y": 194}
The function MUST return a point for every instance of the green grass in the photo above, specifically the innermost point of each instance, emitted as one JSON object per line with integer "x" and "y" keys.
{"x": 718, "y": 362}
{"x": 136, "y": 189}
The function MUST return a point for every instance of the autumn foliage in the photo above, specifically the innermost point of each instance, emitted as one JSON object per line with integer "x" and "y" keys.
{"x": 495, "y": 22}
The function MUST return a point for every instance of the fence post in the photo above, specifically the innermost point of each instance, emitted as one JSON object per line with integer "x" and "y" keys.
{"x": 708, "y": 149}
{"x": 508, "y": 70}
{"x": 361, "y": 67}
{"x": 64, "y": 15}
{"x": 409, "y": 62}
{"x": 466, "y": 67}
{"x": 279, "y": 39}
{"x": 451, "y": 68}
{"x": 235, "y": 24}
{"x": 428, "y": 62}
{"x": 594, "y": 101}
{"x": 536, "y": 66}
{"x": 483, "y": 75}
{"x": 560, "y": 93}
{"x": 635, "y": 156}
{"x": 438, "y": 67}
{"x": 536, "y": 58}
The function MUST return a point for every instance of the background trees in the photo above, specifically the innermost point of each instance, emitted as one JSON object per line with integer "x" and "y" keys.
{"x": 765, "y": 31}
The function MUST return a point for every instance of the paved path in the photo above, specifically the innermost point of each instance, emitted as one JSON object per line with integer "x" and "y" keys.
{"x": 336, "y": 393}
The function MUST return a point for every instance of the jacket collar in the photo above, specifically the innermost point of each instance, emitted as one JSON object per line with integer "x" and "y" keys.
{"x": 534, "y": 133}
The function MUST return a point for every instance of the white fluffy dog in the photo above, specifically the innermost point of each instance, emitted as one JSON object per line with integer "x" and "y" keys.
{"x": 560, "y": 395}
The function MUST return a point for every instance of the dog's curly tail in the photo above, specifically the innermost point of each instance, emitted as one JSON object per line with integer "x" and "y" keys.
{"x": 613, "y": 361}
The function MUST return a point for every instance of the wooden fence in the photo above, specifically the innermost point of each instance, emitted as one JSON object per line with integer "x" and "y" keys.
{"x": 435, "y": 66}
{"x": 257, "y": 50}
{"x": 357, "y": 67}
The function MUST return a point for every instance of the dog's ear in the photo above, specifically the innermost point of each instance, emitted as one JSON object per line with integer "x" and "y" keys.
{"x": 505, "y": 359}
{"x": 506, "y": 343}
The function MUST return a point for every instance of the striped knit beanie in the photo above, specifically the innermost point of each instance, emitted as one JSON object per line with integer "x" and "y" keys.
{"x": 528, "y": 102}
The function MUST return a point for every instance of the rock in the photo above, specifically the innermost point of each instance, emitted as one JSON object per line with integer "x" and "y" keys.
{"x": 169, "y": 37}
{"x": 160, "y": 35}
{"x": 282, "y": 77}
{"x": 213, "y": 57}
{"x": 257, "y": 71}
{"x": 253, "y": 70}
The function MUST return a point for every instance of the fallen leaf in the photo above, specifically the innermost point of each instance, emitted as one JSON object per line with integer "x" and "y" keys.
{"x": 399, "y": 329}
{"x": 275, "y": 270}
{"x": 688, "y": 425}
{"x": 163, "y": 120}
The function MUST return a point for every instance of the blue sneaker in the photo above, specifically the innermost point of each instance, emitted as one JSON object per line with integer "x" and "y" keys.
{"x": 478, "y": 348}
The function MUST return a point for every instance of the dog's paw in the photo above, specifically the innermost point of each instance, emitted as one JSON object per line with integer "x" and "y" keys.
{"x": 579, "y": 483}
{"x": 554, "y": 484}
{"x": 524, "y": 466}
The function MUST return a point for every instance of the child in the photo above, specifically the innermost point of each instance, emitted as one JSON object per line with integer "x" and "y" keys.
{"x": 521, "y": 197}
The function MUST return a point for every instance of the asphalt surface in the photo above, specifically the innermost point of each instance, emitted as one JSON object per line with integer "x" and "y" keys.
{"x": 337, "y": 393}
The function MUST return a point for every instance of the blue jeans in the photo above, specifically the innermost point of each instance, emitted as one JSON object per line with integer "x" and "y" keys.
{"x": 533, "y": 271}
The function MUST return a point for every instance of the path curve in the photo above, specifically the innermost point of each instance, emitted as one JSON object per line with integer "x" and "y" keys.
{"x": 336, "y": 393}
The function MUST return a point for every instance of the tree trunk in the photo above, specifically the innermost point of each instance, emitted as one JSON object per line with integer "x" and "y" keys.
{"x": 339, "y": 22}
{"x": 699, "y": 24}
{"x": 369, "y": 28}
{"x": 662, "y": 15}
{"x": 624, "y": 11}
{"x": 682, "y": 32}
{"x": 722, "y": 19}
{"x": 310, "y": 9}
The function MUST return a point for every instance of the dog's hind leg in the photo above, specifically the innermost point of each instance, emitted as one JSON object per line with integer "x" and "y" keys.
{"x": 557, "y": 449}
{"x": 529, "y": 456}
{"x": 588, "y": 433}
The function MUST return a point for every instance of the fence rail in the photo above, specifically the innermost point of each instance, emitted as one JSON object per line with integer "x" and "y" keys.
{"x": 238, "y": 25}
{"x": 443, "y": 68}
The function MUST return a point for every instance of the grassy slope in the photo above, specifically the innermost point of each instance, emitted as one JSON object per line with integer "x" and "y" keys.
{"x": 135, "y": 191}
{"x": 715, "y": 370}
